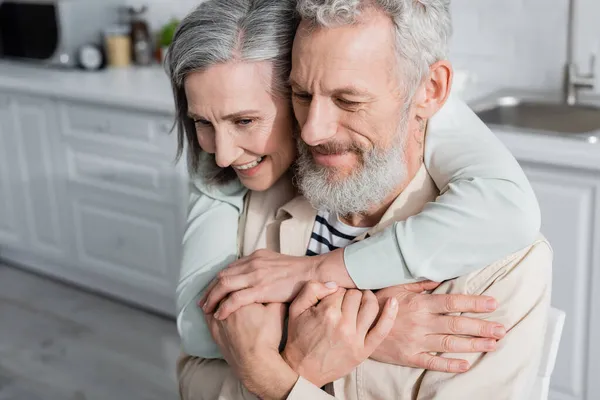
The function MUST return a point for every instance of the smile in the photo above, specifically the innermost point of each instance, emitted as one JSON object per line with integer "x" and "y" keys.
{"x": 249, "y": 165}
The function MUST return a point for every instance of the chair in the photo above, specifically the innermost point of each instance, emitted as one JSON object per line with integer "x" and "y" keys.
{"x": 541, "y": 386}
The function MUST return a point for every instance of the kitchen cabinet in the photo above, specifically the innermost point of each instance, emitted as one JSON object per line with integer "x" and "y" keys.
{"x": 568, "y": 200}
{"x": 565, "y": 175}
{"x": 93, "y": 196}
{"x": 12, "y": 198}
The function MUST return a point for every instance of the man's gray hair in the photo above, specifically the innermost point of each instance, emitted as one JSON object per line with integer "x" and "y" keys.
{"x": 423, "y": 28}
{"x": 221, "y": 31}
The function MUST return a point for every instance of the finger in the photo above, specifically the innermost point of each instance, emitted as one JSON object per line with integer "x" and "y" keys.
{"x": 310, "y": 295}
{"x": 207, "y": 292}
{"x": 453, "y": 303}
{"x": 351, "y": 305}
{"x": 435, "y": 363}
{"x": 383, "y": 326}
{"x": 279, "y": 308}
{"x": 367, "y": 314}
{"x": 235, "y": 301}
{"x": 457, "y": 344}
{"x": 224, "y": 287}
{"x": 419, "y": 287}
{"x": 234, "y": 270}
{"x": 469, "y": 327}
{"x": 241, "y": 261}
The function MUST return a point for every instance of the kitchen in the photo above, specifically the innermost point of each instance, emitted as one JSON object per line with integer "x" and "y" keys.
{"x": 90, "y": 193}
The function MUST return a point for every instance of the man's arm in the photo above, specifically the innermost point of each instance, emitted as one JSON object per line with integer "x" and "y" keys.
{"x": 523, "y": 293}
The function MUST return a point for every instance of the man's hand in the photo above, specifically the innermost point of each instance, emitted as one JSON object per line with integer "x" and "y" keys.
{"x": 422, "y": 328}
{"x": 263, "y": 277}
{"x": 329, "y": 331}
{"x": 249, "y": 341}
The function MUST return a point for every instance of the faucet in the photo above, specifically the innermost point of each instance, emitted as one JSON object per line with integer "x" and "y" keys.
{"x": 573, "y": 80}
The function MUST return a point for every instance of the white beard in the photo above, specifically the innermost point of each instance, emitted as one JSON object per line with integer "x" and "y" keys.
{"x": 381, "y": 173}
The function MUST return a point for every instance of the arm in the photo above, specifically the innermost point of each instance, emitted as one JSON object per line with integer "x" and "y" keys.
{"x": 209, "y": 245}
{"x": 523, "y": 292}
{"x": 486, "y": 209}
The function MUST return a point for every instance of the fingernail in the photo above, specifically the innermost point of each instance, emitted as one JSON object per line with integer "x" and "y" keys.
{"x": 463, "y": 366}
{"x": 331, "y": 285}
{"x": 394, "y": 303}
{"x": 218, "y": 314}
{"x": 499, "y": 332}
{"x": 491, "y": 305}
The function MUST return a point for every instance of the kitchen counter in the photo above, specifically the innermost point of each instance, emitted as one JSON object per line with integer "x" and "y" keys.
{"x": 144, "y": 88}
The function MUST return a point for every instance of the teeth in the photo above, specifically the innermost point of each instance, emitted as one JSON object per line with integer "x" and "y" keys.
{"x": 249, "y": 165}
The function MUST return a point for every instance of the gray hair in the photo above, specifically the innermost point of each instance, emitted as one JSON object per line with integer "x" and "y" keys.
{"x": 221, "y": 31}
{"x": 423, "y": 28}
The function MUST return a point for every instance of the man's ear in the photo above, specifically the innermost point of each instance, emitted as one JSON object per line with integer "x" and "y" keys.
{"x": 434, "y": 90}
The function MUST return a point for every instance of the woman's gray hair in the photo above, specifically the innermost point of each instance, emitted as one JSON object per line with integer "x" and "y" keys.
{"x": 221, "y": 31}
{"x": 423, "y": 29}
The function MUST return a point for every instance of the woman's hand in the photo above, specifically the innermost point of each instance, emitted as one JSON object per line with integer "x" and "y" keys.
{"x": 263, "y": 277}
{"x": 422, "y": 328}
{"x": 332, "y": 331}
{"x": 249, "y": 341}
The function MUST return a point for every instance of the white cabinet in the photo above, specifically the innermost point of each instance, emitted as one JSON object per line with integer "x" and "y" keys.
{"x": 12, "y": 198}
{"x": 35, "y": 129}
{"x": 95, "y": 196}
{"x": 569, "y": 203}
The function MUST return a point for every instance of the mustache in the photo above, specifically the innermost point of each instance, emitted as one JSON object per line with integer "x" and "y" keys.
{"x": 333, "y": 148}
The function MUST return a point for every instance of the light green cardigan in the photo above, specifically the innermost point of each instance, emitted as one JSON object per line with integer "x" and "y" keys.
{"x": 486, "y": 209}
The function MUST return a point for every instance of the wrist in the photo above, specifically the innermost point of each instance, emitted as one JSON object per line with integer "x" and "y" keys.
{"x": 294, "y": 361}
{"x": 273, "y": 379}
{"x": 331, "y": 267}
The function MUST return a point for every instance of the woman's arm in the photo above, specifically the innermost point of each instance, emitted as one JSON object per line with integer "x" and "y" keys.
{"x": 486, "y": 210}
{"x": 209, "y": 245}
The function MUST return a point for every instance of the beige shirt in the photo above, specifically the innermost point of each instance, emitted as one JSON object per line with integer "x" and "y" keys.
{"x": 520, "y": 282}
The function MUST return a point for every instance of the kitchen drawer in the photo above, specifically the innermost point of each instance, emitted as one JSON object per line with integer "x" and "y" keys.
{"x": 133, "y": 243}
{"x": 118, "y": 174}
{"x": 124, "y": 127}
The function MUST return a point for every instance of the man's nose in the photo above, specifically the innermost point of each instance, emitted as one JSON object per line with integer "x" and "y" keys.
{"x": 320, "y": 125}
{"x": 226, "y": 149}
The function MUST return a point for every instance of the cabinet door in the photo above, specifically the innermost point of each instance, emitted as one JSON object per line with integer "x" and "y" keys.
{"x": 12, "y": 228}
{"x": 568, "y": 204}
{"x": 36, "y": 131}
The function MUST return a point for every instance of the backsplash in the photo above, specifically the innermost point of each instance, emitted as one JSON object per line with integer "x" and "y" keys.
{"x": 516, "y": 43}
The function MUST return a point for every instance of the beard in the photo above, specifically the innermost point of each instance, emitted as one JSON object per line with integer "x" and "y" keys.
{"x": 379, "y": 174}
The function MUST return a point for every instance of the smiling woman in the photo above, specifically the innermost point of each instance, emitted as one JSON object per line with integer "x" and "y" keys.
{"x": 240, "y": 121}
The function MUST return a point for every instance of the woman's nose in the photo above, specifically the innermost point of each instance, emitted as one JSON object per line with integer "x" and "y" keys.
{"x": 226, "y": 150}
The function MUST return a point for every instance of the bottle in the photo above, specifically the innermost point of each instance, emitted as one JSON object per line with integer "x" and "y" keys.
{"x": 140, "y": 36}
{"x": 117, "y": 41}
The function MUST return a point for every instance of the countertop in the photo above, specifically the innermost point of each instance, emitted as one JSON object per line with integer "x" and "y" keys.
{"x": 145, "y": 88}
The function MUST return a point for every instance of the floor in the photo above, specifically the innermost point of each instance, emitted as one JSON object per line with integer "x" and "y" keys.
{"x": 60, "y": 343}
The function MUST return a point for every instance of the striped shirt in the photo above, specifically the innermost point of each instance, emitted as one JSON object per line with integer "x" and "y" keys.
{"x": 329, "y": 233}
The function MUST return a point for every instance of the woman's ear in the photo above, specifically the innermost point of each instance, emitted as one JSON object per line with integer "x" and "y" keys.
{"x": 434, "y": 90}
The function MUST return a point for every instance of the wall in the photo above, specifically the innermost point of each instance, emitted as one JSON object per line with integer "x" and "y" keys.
{"x": 514, "y": 43}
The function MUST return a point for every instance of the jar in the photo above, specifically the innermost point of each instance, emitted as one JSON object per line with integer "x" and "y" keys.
{"x": 117, "y": 41}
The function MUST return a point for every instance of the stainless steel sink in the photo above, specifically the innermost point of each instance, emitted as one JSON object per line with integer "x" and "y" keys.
{"x": 578, "y": 121}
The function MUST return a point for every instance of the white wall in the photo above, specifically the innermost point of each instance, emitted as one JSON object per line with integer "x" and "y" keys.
{"x": 515, "y": 43}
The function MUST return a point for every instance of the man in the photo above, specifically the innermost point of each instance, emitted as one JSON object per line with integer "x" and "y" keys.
{"x": 349, "y": 87}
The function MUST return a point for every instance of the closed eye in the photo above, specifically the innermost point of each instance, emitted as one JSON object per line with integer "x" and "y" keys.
{"x": 202, "y": 122}
{"x": 303, "y": 97}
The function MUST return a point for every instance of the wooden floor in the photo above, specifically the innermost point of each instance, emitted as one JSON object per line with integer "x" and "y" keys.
{"x": 59, "y": 343}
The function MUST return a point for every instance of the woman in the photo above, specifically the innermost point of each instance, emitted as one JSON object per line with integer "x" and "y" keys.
{"x": 229, "y": 65}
